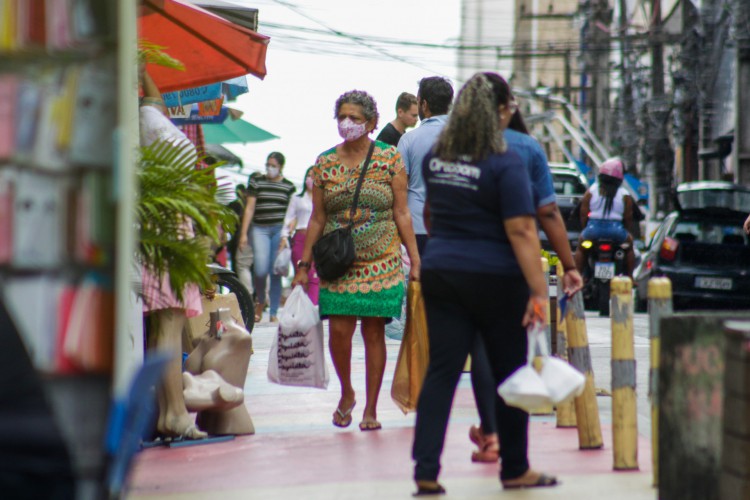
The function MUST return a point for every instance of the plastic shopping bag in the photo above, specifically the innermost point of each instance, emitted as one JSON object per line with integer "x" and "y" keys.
{"x": 281, "y": 264}
{"x": 525, "y": 388}
{"x": 563, "y": 381}
{"x": 395, "y": 329}
{"x": 414, "y": 354}
{"x": 297, "y": 355}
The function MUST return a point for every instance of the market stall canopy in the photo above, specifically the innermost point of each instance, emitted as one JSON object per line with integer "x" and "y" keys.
{"x": 212, "y": 48}
{"x": 220, "y": 153}
{"x": 238, "y": 14}
{"x": 235, "y": 131}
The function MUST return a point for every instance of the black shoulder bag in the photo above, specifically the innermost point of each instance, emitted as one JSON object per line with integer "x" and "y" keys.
{"x": 334, "y": 253}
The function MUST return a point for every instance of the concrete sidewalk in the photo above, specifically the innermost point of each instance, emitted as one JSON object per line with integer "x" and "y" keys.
{"x": 297, "y": 453}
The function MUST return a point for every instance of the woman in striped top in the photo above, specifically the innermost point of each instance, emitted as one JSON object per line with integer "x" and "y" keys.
{"x": 267, "y": 200}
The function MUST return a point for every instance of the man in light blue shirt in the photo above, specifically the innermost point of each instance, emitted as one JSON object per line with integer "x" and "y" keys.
{"x": 536, "y": 161}
{"x": 433, "y": 101}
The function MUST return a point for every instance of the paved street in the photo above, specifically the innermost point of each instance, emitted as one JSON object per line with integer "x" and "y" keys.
{"x": 600, "y": 342}
{"x": 297, "y": 453}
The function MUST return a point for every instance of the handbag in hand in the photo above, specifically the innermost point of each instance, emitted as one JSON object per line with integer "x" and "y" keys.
{"x": 334, "y": 253}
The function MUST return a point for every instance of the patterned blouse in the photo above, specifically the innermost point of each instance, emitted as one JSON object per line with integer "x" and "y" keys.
{"x": 374, "y": 285}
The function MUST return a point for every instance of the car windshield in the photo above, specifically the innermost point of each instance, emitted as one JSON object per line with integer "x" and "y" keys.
{"x": 701, "y": 198}
{"x": 709, "y": 232}
{"x": 567, "y": 185}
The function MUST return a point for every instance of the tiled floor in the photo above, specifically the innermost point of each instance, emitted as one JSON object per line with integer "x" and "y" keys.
{"x": 297, "y": 453}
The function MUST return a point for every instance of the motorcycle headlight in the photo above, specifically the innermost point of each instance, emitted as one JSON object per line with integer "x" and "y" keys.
{"x": 587, "y": 244}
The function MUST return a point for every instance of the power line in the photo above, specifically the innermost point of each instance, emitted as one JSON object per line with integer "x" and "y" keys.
{"x": 359, "y": 40}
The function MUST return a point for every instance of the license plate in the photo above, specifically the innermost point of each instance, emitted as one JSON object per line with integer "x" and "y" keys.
{"x": 713, "y": 283}
{"x": 604, "y": 270}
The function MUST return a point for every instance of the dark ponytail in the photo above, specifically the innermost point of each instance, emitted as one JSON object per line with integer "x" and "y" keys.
{"x": 608, "y": 187}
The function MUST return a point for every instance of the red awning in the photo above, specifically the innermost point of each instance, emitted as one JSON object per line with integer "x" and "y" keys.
{"x": 211, "y": 48}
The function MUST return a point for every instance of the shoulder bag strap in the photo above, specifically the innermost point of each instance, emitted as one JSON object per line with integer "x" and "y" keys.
{"x": 359, "y": 184}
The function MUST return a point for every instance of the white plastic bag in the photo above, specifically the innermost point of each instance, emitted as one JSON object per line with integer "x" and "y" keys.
{"x": 563, "y": 381}
{"x": 299, "y": 313}
{"x": 297, "y": 355}
{"x": 525, "y": 388}
{"x": 281, "y": 264}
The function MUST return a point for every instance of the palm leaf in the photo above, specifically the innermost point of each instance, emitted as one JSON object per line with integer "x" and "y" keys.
{"x": 177, "y": 215}
{"x": 151, "y": 53}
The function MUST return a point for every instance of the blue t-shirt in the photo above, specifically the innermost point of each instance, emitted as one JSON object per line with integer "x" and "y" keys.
{"x": 535, "y": 161}
{"x": 468, "y": 205}
{"x": 414, "y": 146}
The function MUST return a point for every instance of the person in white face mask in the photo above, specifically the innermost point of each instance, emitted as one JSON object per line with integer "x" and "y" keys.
{"x": 295, "y": 224}
{"x": 267, "y": 200}
{"x": 373, "y": 287}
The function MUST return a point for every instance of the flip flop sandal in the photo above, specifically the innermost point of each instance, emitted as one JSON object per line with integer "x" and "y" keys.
{"x": 423, "y": 491}
{"x": 370, "y": 425}
{"x": 476, "y": 436}
{"x": 486, "y": 454}
{"x": 542, "y": 482}
{"x": 343, "y": 416}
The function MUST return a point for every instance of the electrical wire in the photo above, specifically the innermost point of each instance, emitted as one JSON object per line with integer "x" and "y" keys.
{"x": 357, "y": 39}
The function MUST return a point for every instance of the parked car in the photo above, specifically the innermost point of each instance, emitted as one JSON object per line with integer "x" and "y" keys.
{"x": 702, "y": 249}
{"x": 703, "y": 194}
{"x": 570, "y": 186}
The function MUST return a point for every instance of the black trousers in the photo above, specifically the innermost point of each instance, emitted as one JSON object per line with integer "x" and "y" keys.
{"x": 483, "y": 385}
{"x": 459, "y": 307}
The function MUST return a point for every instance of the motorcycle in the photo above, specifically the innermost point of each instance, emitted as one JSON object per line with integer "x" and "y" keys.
{"x": 604, "y": 259}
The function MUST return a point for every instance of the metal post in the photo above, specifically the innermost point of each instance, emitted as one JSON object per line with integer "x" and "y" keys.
{"x": 538, "y": 361}
{"x": 566, "y": 412}
{"x": 659, "y": 306}
{"x": 742, "y": 96}
{"x": 624, "y": 405}
{"x": 587, "y": 410}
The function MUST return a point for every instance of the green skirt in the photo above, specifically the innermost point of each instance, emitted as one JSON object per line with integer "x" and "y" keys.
{"x": 384, "y": 303}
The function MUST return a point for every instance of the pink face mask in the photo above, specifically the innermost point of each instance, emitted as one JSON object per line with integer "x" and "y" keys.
{"x": 350, "y": 131}
{"x": 309, "y": 183}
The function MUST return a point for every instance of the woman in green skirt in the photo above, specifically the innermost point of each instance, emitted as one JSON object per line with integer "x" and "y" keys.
{"x": 373, "y": 287}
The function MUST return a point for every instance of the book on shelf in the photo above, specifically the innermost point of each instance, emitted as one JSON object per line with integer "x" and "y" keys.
{"x": 27, "y": 116}
{"x": 53, "y": 24}
{"x": 8, "y": 100}
{"x": 95, "y": 114}
{"x": 37, "y": 221}
{"x": 6, "y": 216}
{"x": 33, "y": 301}
{"x": 87, "y": 339}
{"x": 66, "y": 326}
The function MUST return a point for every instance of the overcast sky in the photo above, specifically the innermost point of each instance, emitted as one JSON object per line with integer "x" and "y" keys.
{"x": 308, "y": 70}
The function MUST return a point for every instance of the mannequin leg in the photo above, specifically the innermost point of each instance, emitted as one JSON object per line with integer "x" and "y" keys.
{"x": 174, "y": 419}
{"x": 210, "y": 391}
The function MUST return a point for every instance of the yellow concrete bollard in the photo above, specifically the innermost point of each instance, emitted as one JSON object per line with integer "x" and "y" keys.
{"x": 624, "y": 405}
{"x": 659, "y": 306}
{"x": 543, "y": 410}
{"x": 566, "y": 412}
{"x": 587, "y": 410}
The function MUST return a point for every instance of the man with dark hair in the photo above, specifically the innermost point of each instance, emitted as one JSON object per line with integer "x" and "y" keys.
{"x": 433, "y": 103}
{"x": 406, "y": 117}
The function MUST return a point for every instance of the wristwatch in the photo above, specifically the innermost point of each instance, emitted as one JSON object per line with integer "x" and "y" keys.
{"x": 302, "y": 263}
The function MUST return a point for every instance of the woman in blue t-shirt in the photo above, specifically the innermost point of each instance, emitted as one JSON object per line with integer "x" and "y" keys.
{"x": 480, "y": 276}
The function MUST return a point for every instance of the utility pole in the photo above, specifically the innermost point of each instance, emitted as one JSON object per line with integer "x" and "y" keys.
{"x": 687, "y": 81}
{"x": 742, "y": 96}
{"x": 627, "y": 122}
{"x": 657, "y": 154}
{"x": 597, "y": 63}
